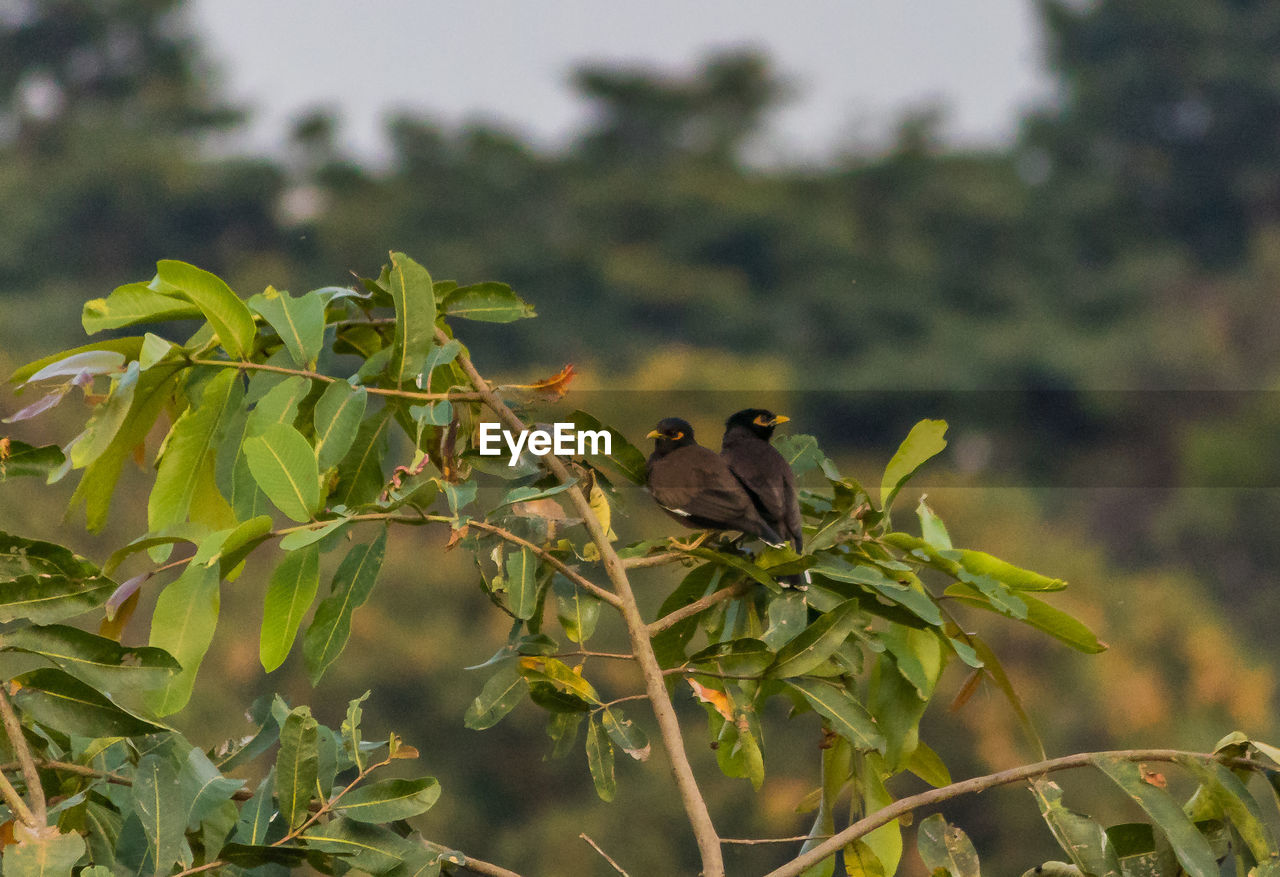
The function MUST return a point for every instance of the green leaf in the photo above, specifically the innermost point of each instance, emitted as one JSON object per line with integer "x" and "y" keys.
{"x": 61, "y": 701}
{"x": 389, "y": 800}
{"x": 817, "y": 642}
{"x": 289, "y": 595}
{"x": 308, "y": 535}
{"x": 189, "y": 450}
{"x": 488, "y": 302}
{"x": 913, "y": 598}
{"x": 284, "y": 465}
{"x": 847, "y": 717}
{"x": 153, "y": 393}
{"x": 226, "y": 313}
{"x": 360, "y": 477}
{"x": 1224, "y": 791}
{"x": 43, "y": 852}
{"x": 415, "y": 303}
{"x": 182, "y": 624}
{"x": 203, "y": 787}
{"x": 522, "y": 582}
{"x": 154, "y": 350}
{"x": 741, "y": 564}
{"x": 298, "y": 321}
{"x": 860, "y": 860}
{"x": 44, "y": 582}
{"x": 106, "y": 421}
{"x": 931, "y": 527}
{"x": 981, "y": 563}
{"x": 788, "y": 614}
{"x": 577, "y": 610}
{"x": 351, "y": 731}
{"x": 337, "y": 420}
{"x": 257, "y": 813}
{"x": 803, "y": 454}
{"x": 921, "y": 444}
{"x": 884, "y": 842}
{"x": 134, "y": 303}
{"x": 99, "y": 661}
{"x": 1190, "y": 846}
{"x": 1001, "y": 598}
{"x": 369, "y": 848}
{"x": 739, "y": 657}
{"x": 600, "y": 759}
{"x": 926, "y": 764}
{"x": 946, "y": 847}
{"x": 241, "y": 542}
{"x": 1040, "y": 615}
{"x": 504, "y": 689}
{"x": 625, "y": 457}
{"x": 296, "y": 766}
{"x": 185, "y": 532}
{"x": 21, "y": 460}
{"x": 331, "y": 627}
{"x": 528, "y": 493}
{"x": 1082, "y": 839}
{"x": 625, "y": 733}
{"x": 277, "y": 405}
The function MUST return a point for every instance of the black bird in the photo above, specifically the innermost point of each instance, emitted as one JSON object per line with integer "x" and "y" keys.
{"x": 763, "y": 472}
{"x": 693, "y": 484}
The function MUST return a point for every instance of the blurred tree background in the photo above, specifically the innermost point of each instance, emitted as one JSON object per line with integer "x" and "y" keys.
{"x": 1091, "y": 306}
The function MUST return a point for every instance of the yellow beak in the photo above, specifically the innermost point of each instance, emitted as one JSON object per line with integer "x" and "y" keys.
{"x": 653, "y": 433}
{"x": 780, "y": 418}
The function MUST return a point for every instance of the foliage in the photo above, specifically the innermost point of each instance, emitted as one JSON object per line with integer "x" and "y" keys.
{"x": 347, "y": 411}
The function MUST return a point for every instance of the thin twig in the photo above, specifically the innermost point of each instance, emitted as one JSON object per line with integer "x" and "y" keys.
{"x": 885, "y": 815}
{"x": 329, "y": 379}
{"x": 752, "y": 841}
{"x": 648, "y": 560}
{"x": 584, "y": 653}
{"x": 605, "y": 706}
{"x": 15, "y": 802}
{"x": 37, "y": 817}
{"x": 595, "y": 846}
{"x": 695, "y": 805}
{"x": 489, "y": 869}
{"x": 672, "y": 618}
{"x": 569, "y": 572}
{"x": 207, "y": 866}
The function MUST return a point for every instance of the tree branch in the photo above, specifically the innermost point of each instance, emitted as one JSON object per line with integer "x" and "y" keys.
{"x": 595, "y": 846}
{"x": 735, "y": 590}
{"x": 649, "y": 560}
{"x": 37, "y": 816}
{"x": 328, "y": 379}
{"x": 637, "y": 631}
{"x": 479, "y": 866}
{"x": 571, "y": 574}
{"x": 885, "y": 815}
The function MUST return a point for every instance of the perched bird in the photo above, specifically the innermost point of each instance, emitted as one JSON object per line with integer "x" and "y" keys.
{"x": 693, "y": 484}
{"x": 763, "y": 472}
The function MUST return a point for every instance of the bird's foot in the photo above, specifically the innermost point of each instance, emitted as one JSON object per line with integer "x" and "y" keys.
{"x": 677, "y": 545}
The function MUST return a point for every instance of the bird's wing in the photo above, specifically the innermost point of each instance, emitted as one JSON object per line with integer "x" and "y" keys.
{"x": 696, "y": 483}
{"x": 768, "y": 478}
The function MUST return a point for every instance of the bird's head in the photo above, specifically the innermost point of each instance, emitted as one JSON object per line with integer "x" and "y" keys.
{"x": 759, "y": 421}
{"x": 671, "y": 433}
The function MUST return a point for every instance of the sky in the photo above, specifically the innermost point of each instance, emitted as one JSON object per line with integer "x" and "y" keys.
{"x": 856, "y": 64}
